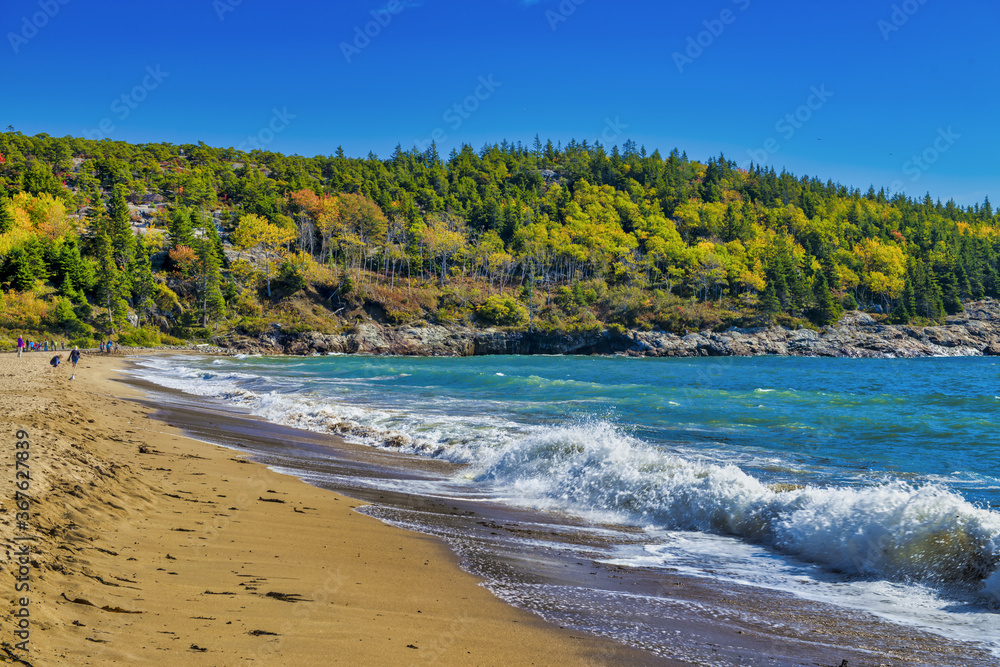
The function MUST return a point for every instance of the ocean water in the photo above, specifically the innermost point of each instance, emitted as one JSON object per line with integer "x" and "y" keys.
{"x": 869, "y": 484}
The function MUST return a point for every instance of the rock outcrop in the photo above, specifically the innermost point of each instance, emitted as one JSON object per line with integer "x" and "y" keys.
{"x": 972, "y": 333}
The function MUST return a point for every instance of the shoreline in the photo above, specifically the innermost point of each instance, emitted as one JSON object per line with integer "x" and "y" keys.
{"x": 186, "y": 548}
{"x": 694, "y": 619}
{"x": 974, "y": 332}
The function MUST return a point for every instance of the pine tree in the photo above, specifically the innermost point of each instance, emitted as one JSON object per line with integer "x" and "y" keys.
{"x": 120, "y": 232}
{"x": 769, "y": 305}
{"x": 209, "y": 282}
{"x": 111, "y": 285}
{"x": 26, "y": 265}
{"x": 78, "y": 273}
{"x": 927, "y": 297}
{"x": 948, "y": 281}
{"x": 210, "y": 233}
{"x": 180, "y": 229}
{"x": 21, "y": 271}
{"x": 903, "y": 311}
{"x": 143, "y": 282}
{"x": 826, "y": 309}
{"x": 731, "y": 224}
{"x": 536, "y": 147}
{"x": 6, "y": 216}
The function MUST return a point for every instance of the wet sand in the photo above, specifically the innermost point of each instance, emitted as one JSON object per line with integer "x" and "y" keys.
{"x": 149, "y": 547}
{"x": 552, "y": 564}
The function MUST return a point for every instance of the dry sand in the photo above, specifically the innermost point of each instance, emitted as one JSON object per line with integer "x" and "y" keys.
{"x": 148, "y": 547}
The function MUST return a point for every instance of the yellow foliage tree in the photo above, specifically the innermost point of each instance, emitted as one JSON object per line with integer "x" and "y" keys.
{"x": 256, "y": 234}
{"x": 883, "y": 269}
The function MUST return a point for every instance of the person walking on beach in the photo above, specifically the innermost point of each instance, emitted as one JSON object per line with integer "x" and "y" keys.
{"x": 20, "y": 346}
{"x": 74, "y": 357}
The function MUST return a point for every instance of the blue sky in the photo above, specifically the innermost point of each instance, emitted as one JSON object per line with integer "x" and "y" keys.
{"x": 895, "y": 94}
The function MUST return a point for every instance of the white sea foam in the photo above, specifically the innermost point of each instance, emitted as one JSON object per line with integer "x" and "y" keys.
{"x": 450, "y": 436}
{"x": 893, "y": 530}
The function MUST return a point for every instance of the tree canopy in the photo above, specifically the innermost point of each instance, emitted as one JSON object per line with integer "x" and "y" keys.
{"x": 632, "y": 236}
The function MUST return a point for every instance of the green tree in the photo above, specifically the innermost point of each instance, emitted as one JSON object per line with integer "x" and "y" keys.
{"x": 209, "y": 282}
{"x": 143, "y": 282}
{"x": 112, "y": 288}
{"x": 905, "y": 307}
{"x": 180, "y": 233}
{"x": 26, "y": 265}
{"x": 6, "y": 216}
{"x": 769, "y": 305}
{"x": 120, "y": 227}
{"x": 77, "y": 273}
{"x": 826, "y": 309}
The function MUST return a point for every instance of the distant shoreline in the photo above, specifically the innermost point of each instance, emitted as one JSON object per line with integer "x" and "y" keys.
{"x": 974, "y": 332}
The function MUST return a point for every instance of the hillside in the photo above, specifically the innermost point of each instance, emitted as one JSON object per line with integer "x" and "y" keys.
{"x": 155, "y": 242}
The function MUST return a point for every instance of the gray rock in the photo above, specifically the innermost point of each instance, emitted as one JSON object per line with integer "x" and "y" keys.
{"x": 856, "y": 335}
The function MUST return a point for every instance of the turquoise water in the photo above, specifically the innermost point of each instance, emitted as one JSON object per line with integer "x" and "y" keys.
{"x": 873, "y": 473}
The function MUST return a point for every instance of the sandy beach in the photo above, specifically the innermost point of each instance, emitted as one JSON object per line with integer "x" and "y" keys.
{"x": 143, "y": 546}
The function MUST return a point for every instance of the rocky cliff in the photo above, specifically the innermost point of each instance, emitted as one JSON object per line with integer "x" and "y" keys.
{"x": 972, "y": 333}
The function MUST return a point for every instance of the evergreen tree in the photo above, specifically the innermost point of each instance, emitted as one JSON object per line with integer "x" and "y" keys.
{"x": 180, "y": 228}
{"x": 826, "y": 309}
{"x": 6, "y": 216}
{"x": 143, "y": 282}
{"x": 25, "y": 265}
{"x": 209, "y": 282}
{"x": 111, "y": 284}
{"x": 769, "y": 305}
{"x": 731, "y": 224}
{"x": 119, "y": 230}
{"x": 948, "y": 281}
{"x": 927, "y": 297}
{"x": 903, "y": 310}
{"x": 77, "y": 273}
{"x": 211, "y": 234}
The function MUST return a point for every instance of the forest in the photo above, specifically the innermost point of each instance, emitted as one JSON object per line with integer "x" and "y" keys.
{"x": 158, "y": 243}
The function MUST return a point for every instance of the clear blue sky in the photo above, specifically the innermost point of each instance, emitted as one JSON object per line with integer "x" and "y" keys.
{"x": 896, "y": 80}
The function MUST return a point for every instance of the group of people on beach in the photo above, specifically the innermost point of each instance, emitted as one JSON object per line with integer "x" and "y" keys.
{"x": 44, "y": 346}
{"x": 74, "y": 355}
{"x": 36, "y": 346}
